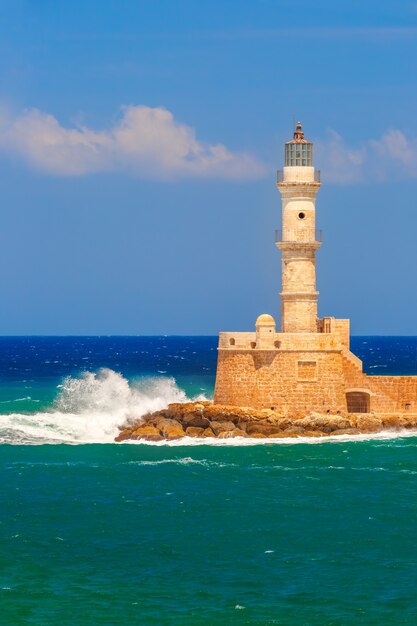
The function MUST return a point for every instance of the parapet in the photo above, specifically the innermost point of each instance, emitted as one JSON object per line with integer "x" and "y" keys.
{"x": 339, "y": 328}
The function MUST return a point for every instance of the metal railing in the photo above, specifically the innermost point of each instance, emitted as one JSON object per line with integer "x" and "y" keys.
{"x": 298, "y": 235}
{"x": 280, "y": 176}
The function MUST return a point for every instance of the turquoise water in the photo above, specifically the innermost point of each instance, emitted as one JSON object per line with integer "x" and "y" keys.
{"x": 291, "y": 532}
{"x": 273, "y": 534}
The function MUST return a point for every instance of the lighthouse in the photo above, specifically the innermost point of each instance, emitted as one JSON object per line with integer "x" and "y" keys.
{"x": 307, "y": 366}
{"x": 298, "y": 240}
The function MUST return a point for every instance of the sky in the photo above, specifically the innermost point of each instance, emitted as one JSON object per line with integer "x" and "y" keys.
{"x": 139, "y": 143}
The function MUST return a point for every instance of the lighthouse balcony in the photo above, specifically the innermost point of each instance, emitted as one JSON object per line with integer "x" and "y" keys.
{"x": 298, "y": 174}
{"x": 298, "y": 235}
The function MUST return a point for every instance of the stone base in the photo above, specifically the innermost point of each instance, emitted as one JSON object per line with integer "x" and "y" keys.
{"x": 205, "y": 419}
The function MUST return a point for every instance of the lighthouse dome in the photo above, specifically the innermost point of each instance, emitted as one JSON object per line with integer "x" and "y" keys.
{"x": 265, "y": 320}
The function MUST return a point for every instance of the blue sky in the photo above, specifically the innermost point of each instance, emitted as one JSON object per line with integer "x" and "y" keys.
{"x": 138, "y": 149}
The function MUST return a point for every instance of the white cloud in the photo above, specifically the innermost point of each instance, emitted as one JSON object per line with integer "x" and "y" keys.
{"x": 147, "y": 142}
{"x": 391, "y": 157}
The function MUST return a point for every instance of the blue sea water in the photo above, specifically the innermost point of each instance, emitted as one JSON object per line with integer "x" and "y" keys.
{"x": 294, "y": 532}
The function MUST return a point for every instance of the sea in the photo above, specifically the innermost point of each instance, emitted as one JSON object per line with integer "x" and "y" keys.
{"x": 211, "y": 532}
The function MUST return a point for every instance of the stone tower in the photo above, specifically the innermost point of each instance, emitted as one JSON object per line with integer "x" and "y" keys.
{"x": 298, "y": 240}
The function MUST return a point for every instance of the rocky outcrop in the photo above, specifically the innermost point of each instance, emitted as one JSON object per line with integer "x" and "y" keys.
{"x": 205, "y": 419}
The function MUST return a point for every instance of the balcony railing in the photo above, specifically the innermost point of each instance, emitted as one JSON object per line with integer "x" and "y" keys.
{"x": 280, "y": 176}
{"x": 298, "y": 235}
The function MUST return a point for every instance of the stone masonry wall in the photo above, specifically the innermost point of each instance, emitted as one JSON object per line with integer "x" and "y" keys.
{"x": 298, "y": 382}
{"x": 293, "y": 382}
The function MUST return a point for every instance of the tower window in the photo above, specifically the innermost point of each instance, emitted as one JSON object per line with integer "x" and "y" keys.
{"x": 301, "y": 215}
{"x": 297, "y": 153}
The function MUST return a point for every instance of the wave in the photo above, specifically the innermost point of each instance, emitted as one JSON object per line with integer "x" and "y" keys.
{"x": 90, "y": 408}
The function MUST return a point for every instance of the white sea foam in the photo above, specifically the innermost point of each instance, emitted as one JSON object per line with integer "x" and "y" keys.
{"x": 247, "y": 441}
{"x": 91, "y": 408}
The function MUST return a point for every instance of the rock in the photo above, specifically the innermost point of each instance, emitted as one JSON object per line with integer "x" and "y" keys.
{"x": 397, "y": 421}
{"x": 262, "y": 427}
{"x": 140, "y": 431}
{"x": 208, "y": 433}
{"x": 346, "y": 431}
{"x": 193, "y": 431}
{"x": 410, "y": 421}
{"x": 238, "y": 432}
{"x": 280, "y": 422}
{"x": 170, "y": 428}
{"x": 325, "y": 423}
{"x": 178, "y": 410}
{"x": 315, "y": 433}
{"x": 294, "y": 430}
{"x": 367, "y": 424}
{"x": 146, "y": 430}
{"x": 124, "y": 434}
{"x": 225, "y": 434}
{"x": 195, "y": 419}
{"x": 220, "y": 427}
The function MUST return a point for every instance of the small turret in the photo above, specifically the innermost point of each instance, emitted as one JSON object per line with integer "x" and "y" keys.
{"x": 265, "y": 331}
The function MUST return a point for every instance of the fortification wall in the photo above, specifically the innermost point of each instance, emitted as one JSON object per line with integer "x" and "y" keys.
{"x": 293, "y": 382}
{"x": 393, "y": 393}
{"x": 387, "y": 393}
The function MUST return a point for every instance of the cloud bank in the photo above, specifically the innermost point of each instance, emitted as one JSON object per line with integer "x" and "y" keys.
{"x": 150, "y": 144}
{"x": 391, "y": 157}
{"x": 147, "y": 142}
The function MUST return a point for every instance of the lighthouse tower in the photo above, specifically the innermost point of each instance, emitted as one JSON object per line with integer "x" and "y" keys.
{"x": 298, "y": 240}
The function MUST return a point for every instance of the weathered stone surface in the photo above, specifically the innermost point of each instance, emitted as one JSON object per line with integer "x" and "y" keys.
{"x": 367, "y": 424}
{"x": 346, "y": 431}
{"x": 220, "y": 427}
{"x": 170, "y": 428}
{"x": 193, "y": 431}
{"x": 325, "y": 423}
{"x": 280, "y": 422}
{"x": 124, "y": 435}
{"x": 396, "y": 422}
{"x": 225, "y": 434}
{"x": 294, "y": 430}
{"x": 146, "y": 430}
{"x": 238, "y": 432}
{"x": 196, "y": 419}
{"x": 261, "y": 427}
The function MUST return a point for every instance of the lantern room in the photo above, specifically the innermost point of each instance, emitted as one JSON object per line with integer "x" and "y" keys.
{"x": 299, "y": 151}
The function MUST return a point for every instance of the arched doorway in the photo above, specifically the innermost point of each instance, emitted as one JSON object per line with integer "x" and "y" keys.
{"x": 358, "y": 402}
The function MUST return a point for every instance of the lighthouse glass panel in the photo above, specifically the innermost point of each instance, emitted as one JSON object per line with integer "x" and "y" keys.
{"x": 299, "y": 154}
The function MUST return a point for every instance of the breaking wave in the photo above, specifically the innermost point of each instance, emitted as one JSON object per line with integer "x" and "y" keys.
{"x": 90, "y": 408}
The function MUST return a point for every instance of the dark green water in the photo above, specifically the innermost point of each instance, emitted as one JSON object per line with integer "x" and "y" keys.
{"x": 131, "y": 534}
